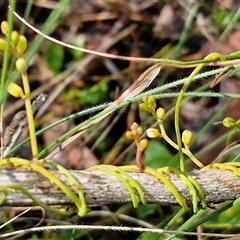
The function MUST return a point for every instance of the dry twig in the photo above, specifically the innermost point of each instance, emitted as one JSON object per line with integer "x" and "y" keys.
{"x": 101, "y": 188}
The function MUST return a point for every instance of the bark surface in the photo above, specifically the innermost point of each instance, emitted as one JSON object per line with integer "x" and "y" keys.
{"x": 102, "y": 188}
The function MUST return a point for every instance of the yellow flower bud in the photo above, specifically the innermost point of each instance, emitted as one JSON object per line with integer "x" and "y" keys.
{"x": 129, "y": 135}
{"x": 134, "y": 126}
{"x": 153, "y": 133}
{"x": 143, "y": 144}
{"x": 145, "y": 100}
{"x": 186, "y": 137}
{"x": 4, "y": 27}
{"x": 21, "y": 44}
{"x": 3, "y": 44}
{"x": 151, "y": 100}
{"x": 139, "y": 131}
{"x": 15, "y": 90}
{"x": 143, "y": 107}
{"x": 229, "y": 122}
{"x": 160, "y": 113}
{"x": 134, "y": 132}
{"x": 14, "y": 37}
{"x": 21, "y": 65}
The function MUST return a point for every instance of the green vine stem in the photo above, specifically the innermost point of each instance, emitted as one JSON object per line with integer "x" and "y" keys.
{"x": 130, "y": 183}
{"x": 173, "y": 144}
{"x": 212, "y": 57}
{"x": 231, "y": 136}
{"x": 194, "y": 187}
{"x": 149, "y": 106}
{"x": 155, "y": 173}
{"x": 29, "y": 111}
{"x": 38, "y": 167}
{"x": 73, "y": 181}
{"x": 4, "y": 190}
{"x": 231, "y": 166}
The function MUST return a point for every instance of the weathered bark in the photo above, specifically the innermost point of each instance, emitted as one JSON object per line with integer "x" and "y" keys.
{"x": 101, "y": 188}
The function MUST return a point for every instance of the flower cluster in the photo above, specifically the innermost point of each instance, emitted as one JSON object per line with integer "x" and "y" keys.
{"x": 18, "y": 45}
{"x": 149, "y": 105}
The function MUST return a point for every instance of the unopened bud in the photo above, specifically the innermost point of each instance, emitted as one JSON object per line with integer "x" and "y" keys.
{"x": 15, "y": 90}
{"x": 186, "y": 137}
{"x": 21, "y": 44}
{"x": 129, "y": 135}
{"x": 3, "y": 44}
{"x": 134, "y": 126}
{"x": 21, "y": 65}
{"x": 153, "y": 133}
{"x": 229, "y": 122}
{"x": 4, "y": 27}
{"x": 143, "y": 107}
{"x": 143, "y": 144}
{"x": 160, "y": 113}
{"x": 145, "y": 99}
{"x": 14, "y": 37}
{"x": 151, "y": 100}
{"x": 139, "y": 131}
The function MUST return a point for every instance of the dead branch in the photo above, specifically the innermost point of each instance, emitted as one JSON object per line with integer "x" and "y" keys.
{"x": 101, "y": 188}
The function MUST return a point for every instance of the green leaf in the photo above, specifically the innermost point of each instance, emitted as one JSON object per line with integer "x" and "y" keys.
{"x": 94, "y": 95}
{"x": 144, "y": 211}
{"x": 147, "y": 236}
{"x": 157, "y": 155}
{"x": 54, "y": 56}
{"x": 222, "y": 17}
{"x": 34, "y": 237}
{"x": 78, "y": 42}
{"x": 67, "y": 234}
{"x": 229, "y": 217}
